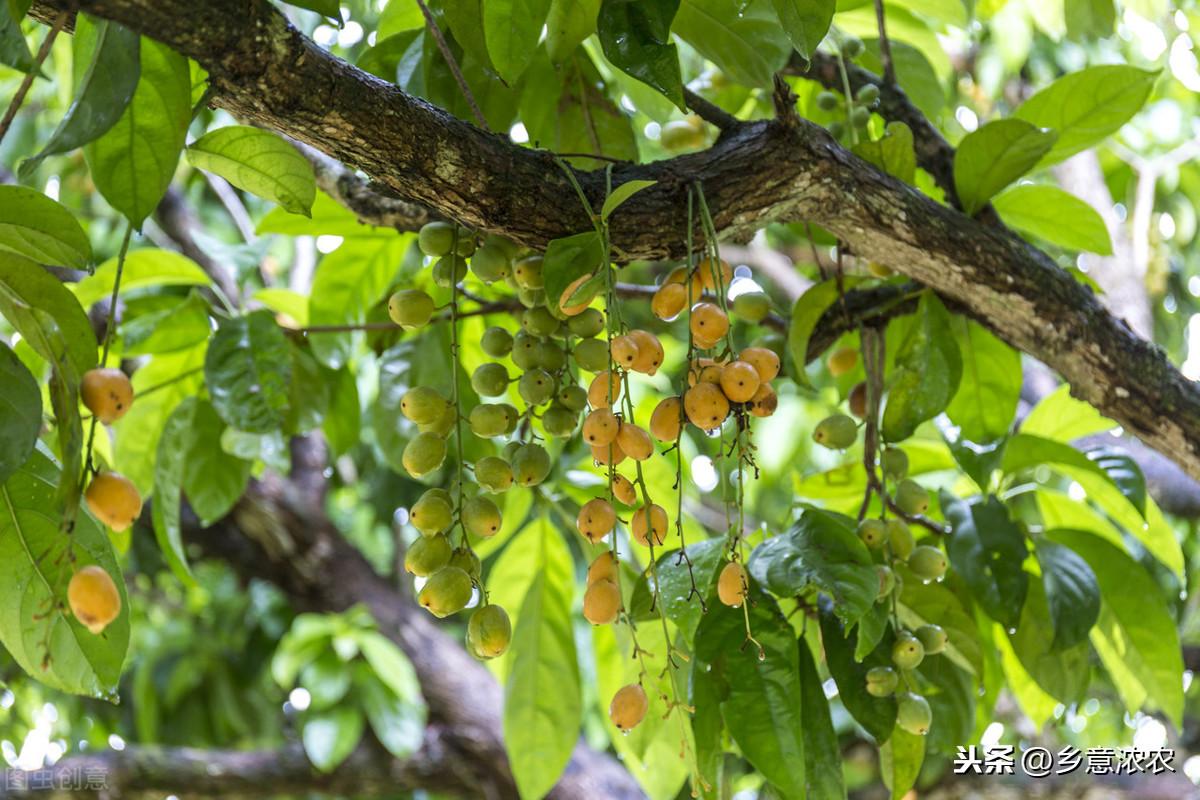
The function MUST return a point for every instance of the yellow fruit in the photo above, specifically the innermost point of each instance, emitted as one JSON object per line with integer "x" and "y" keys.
{"x": 706, "y": 406}
{"x": 596, "y": 519}
{"x": 605, "y": 389}
{"x": 706, "y": 271}
{"x": 628, "y": 707}
{"x": 482, "y": 517}
{"x": 668, "y": 301}
{"x": 873, "y": 533}
{"x": 528, "y": 272}
{"x": 623, "y": 489}
{"x": 933, "y": 638}
{"x": 900, "y": 538}
{"x": 432, "y": 513}
{"x": 763, "y": 360}
{"x": 857, "y": 401}
{"x": 603, "y": 568}
{"x": 624, "y": 351}
{"x": 602, "y": 602}
{"x": 907, "y": 652}
{"x": 489, "y": 632}
{"x": 427, "y": 555}
{"x": 842, "y": 361}
{"x": 650, "y": 352}
{"x": 679, "y": 135}
{"x": 530, "y": 464}
{"x": 649, "y": 527}
{"x": 424, "y": 453}
{"x": 732, "y": 584}
{"x": 739, "y": 381}
{"x": 764, "y": 402}
{"x": 666, "y": 420}
{"x": 410, "y": 308}
{"x": 679, "y": 276}
{"x": 581, "y": 305}
{"x": 114, "y": 500}
{"x": 493, "y": 474}
{"x": 710, "y": 373}
{"x": 709, "y": 323}
{"x": 423, "y": 405}
{"x": 600, "y": 427}
{"x": 635, "y": 442}
{"x": 446, "y": 592}
{"x": 107, "y": 393}
{"x": 608, "y": 454}
{"x": 94, "y": 598}
{"x": 879, "y": 270}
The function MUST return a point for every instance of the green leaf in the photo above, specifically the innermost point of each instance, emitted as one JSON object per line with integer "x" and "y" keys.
{"x": 988, "y": 549}
{"x": 675, "y": 582}
{"x": 1072, "y": 593}
{"x": 569, "y": 259}
{"x": 822, "y": 755}
{"x": 1112, "y": 464}
{"x": 14, "y": 51}
{"x": 1058, "y": 217}
{"x": 822, "y": 550}
{"x": 914, "y": 73}
{"x": 893, "y": 152}
{"x": 177, "y": 327}
{"x": 1061, "y": 672}
{"x": 35, "y": 626}
{"x": 877, "y": 715}
{"x": 248, "y": 372}
{"x": 900, "y": 761}
{"x": 636, "y": 38}
{"x": 994, "y": 156}
{"x": 20, "y": 412}
{"x": 143, "y": 268}
{"x": 543, "y": 708}
{"x": 951, "y": 695}
{"x": 806, "y": 22}
{"x": 398, "y": 721}
{"x": 1089, "y": 18}
{"x": 935, "y": 604}
{"x": 986, "y": 401}
{"x": 398, "y": 18}
{"x": 328, "y": 219}
{"x": 213, "y": 480}
{"x": 806, "y": 313}
{"x": 330, "y": 736}
{"x": 511, "y": 29}
{"x": 926, "y": 371}
{"x": 1135, "y": 636}
{"x": 46, "y": 315}
{"x": 259, "y": 162}
{"x": 1033, "y": 700}
{"x": 1060, "y": 417}
{"x": 103, "y": 88}
{"x": 134, "y": 161}
{"x": 168, "y": 487}
{"x": 36, "y": 227}
{"x": 1123, "y": 471}
{"x": 1086, "y": 107}
{"x": 621, "y": 194}
{"x": 326, "y": 8}
{"x": 327, "y": 679}
{"x": 708, "y": 729}
{"x": 744, "y": 39}
{"x": 343, "y": 423}
{"x": 567, "y": 25}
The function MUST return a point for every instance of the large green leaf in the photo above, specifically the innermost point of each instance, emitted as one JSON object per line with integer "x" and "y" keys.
{"x": 995, "y": 155}
{"x": 143, "y": 268}
{"x": 988, "y": 550}
{"x": 348, "y": 282}
{"x": 213, "y": 480}
{"x": 259, "y": 162}
{"x": 20, "y": 412}
{"x": 986, "y": 401}
{"x": 1087, "y": 106}
{"x": 1111, "y": 464}
{"x": 900, "y": 761}
{"x": 806, "y": 313}
{"x": 893, "y": 152}
{"x": 397, "y": 721}
{"x": 935, "y": 604}
{"x": 569, "y": 259}
{"x": 675, "y": 582}
{"x": 14, "y": 51}
{"x": 106, "y": 77}
{"x": 176, "y": 327}
{"x": 636, "y": 38}
{"x": 1054, "y": 215}
{"x": 36, "y": 227}
{"x": 46, "y": 314}
{"x": 1072, "y": 593}
{"x": 822, "y": 755}
{"x": 877, "y": 715}
{"x": 744, "y": 39}
{"x": 248, "y": 371}
{"x": 567, "y": 25}
{"x": 926, "y": 371}
{"x": 169, "y": 468}
{"x": 330, "y": 736}
{"x": 1060, "y": 417}
{"x": 1062, "y": 672}
{"x": 511, "y": 29}
{"x": 806, "y": 22}
{"x": 543, "y": 708}
{"x": 36, "y": 626}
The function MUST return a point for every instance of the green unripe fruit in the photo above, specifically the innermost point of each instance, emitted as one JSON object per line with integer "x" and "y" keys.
{"x": 423, "y": 405}
{"x": 436, "y": 238}
{"x": 427, "y": 555}
{"x": 467, "y": 561}
{"x": 531, "y": 465}
{"x": 491, "y": 264}
{"x": 752, "y": 306}
{"x": 872, "y": 532}
{"x": 882, "y": 681}
{"x": 573, "y": 397}
{"x": 591, "y": 354}
{"x": 894, "y": 462}
{"x": 836, "y": 432}
{"x": 496, "y": 342}
{"x": 410, "y": 308}
{"x": 449, "y": 270}
{"x": 907, "y": 652}
{"x": 887, "y": 580}
{"x": 852, "y": 47}
{"x": 466, "y": 243}
{"x": 446, "y": 592}
{"x": 928, "y": 563}
{"x": 528, "y": 272}
{"x": 512, "y": 416}
{"x": 442, "y": 425}
{"x": 510, "y": 451}
{"x": 432, "y": 513}
{"x": 424, "y": 453}
{"x": 539, "y": 322}
{"x": 481, "y": 517}
{"x": 860, "y": 116}
{"x": 586, "y": 324}
{"x": 500, "y": 243}
{"x": 490, "y": 380}
{"x": 900, "y": 538}
{"x": 827, "y": 101}
{"x": 867, "y": 94}
{"x": 531, "y": 298}
{"x": 913, "y": 714}
{"x": 489, "y": 419}
{"x": 536, "y": 386}
{"x": 489, "y": 632}
{"x": 560, "y": 421}
{"x": 525, "y": 350}
{"x": 933, "y": 638}
{"x": 493, "y": 474}
{"x": 549, "y": 356}
{"x": 911, "y": 497}
{"x": 837, "y": 129}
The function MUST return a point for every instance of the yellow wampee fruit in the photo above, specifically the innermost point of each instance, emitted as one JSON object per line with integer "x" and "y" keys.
{"x": 114, "y": 500}
{"x": 732, "y": 584}
{"x": 94, "y": 598}
{"x": 107, "y": 393}
{"x": 602, "y": 602}
{"x": 628, "y": 707}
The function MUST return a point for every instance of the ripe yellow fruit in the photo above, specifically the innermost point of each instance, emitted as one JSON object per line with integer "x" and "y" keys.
{"x": 605, "y": 389}
{"x": 668, "y": 301}
{"x": 628, "y": 707}
{"x": 432, "y": 513}
{"x": 706, "y": 406}
{"x": 94, "y": 598}
{"x": 709, "y": 323}
{"x": 649, "y": 527}
{"x": 842, "y": 361}
{"x": 634, "y": 442}
{"x": 857, "y": 401}
{"x": 624, "y": 351}
{"x": 732, "y": 584}
{"x": 623, "y": 489}
{"x": 114, "y": 500}
{"x": 600, "y": 427}
{"x": 602, "y": 602}
{"x": 596, "y": 519}
{"x": 666, "y": 420}
{"x": 609, "y": 454}
{"x": 580, "y": 306}
{"x": 739, "y": 381}
{"x": 879, "y": 270}
{"x": 107, "y": 393}
{"x": 764, "y": 402}
{"x": 706, "y": 271}
{"x": 763, "y": 360}
{"x": 710, "y": 373}
{"x": 603, "y": 568}
{"x": 650, "y": 352}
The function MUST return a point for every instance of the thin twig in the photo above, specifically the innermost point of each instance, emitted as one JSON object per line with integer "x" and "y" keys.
{"x": 431, "y": 23}
{"x": 710, "y": 112}
{"x": 109, "y": 329}
{"x": 885, "y": 46}
{"x": 42, "y": 53}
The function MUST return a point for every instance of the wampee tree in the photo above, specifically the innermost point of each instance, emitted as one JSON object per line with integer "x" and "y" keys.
{"x": 595, "y": 399}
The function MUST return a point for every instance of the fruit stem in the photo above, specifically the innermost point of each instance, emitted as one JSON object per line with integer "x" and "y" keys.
{"x": 109, "y": 326}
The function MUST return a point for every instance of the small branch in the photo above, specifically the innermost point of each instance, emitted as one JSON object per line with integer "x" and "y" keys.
{"x": 710, "y": 112}
{"x": 370, "y": 202}
{"x": 885, "y": 47}
{"x": 436, "y": 32}
{"x": 233, "y": 205}
{"x": 26, "y": 82}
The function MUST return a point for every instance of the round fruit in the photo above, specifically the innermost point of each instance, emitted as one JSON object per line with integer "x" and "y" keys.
{"x": 410, "y": 308}
{"x": 711, "y": 274}
{"x": 706, "y": 406}
{"x": 592, "y": 355}
{"x": 491, "y": 263}
{"x": 634, "y": 441}
{"x": 528, "y": 272}
{"x": 530, "y": 464}
{"x": 573, "y": 397}
{"x": 442, "y": 425}
{"x": 894, "y": 462}
{"x": 524, "y": 351}
{"x": 605, "y": 389}
{"x": 465, "y": 559}
{"x": 481, "y": 517}
{"x": 424, "y": 453}
{"x": 602, "y": 602}
{"x": 668, "y": 301}
{"x": 628, "y": 707}
{"x": 624, "y": 351}
{"x": 650, "y": 352}
{"x": 827, "y": 101}
{"x": 107, "y": 393}
{"x": 928, "y": 563}
{"x": 423, "y": 405}
{"x": 752, "y": 306}
{"x": 666, "y": 420}
{"x": 587, "y": 323}
{"x": 887, "y": 580}
{"x": 623, "y": 489}
{"x": 600, "y": 427}
{"x": 872, "y": 532}
{"x": 911, "y": 497}
{"x": 836, "y": 432}
{"x": 449, "y": 270}
{"x": 763, "y": 360}
{"x": 489, "y": 632}
{"x": 493, "y": 474}
{"x": 489, "y": 419}
{"x": 907, "y": 652}
{"x": 913, "y": 714}
{"x": 882, "y": 681}
{"x": 857, "y": 401}
{"x": 496, "y": 342}
{"x": 427, "y": 555}
{"x": 114, "y": 500}
{"x": 860, "y": 116}
{"x": 536, "y": 386}
{"x": 678, "y": 135}
{"x": 610, "y": 453}
{"x": 867, "y": 94}
{"x": 432, "y": 513}
{"x": 732, "y": 584}
{"x": 649, "y": 527}
{"x": 490, "y": 380}
{"x": 94, "y": 598}
{"x": 560, "y": 421}
{"x": 765, "y": 401}
{"x": 708, "y": 322}
{"x": 548, "y": 355}
{"x": 603, "y": 568}
{"x": 436, "y": 238}
{"x": 539, "y": 321}
{"x": 852, "y": 47}
{"x": 900, "y": 538}
{"x": 739, "y": 381}
{"x": 879, "y": 270}
{"x": 596, "y": 519}
{"x": 446, "y": 592}
{"x": 933, "y": 638}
